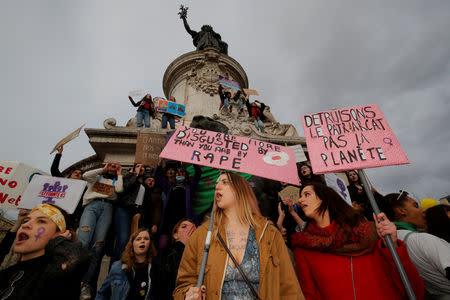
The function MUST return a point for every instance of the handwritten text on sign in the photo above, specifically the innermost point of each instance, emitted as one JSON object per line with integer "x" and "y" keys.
{"x": 351, "y": 138}
{"x": 234, "y": 153}
{"x": 148, "y": 148}
{"x": 14, "y": 178}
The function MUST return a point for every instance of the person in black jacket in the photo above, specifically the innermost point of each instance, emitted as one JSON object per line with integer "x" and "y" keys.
{"x": 307, "y": 176}
{"x": 359, "y": 198}
{"x": 54, "y": 169}
{"x": 127, "y": 206}
{"x": 51, "y": 266}
{"x": 145, "y": 110}
{"x": 151, "y": 210}
{"x": 76, "y": 174}
{"x": 165, "y": 265}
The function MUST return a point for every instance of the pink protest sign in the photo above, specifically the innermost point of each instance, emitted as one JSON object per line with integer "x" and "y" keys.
{"x": 350, "y": 139}
{"x": 228, "y": 152}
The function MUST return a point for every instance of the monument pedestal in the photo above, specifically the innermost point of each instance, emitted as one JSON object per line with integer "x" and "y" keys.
{"x": 193, "y": 79}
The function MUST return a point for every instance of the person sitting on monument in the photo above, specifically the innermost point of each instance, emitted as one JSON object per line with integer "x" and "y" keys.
{"x": 255, "y": 110}
{"x": 168, "y": 117}
{"x": 177, "y": 203}
{"x": 238, "y": 99}
{"x": 225, "y": 99}
{"x": 127, "y": 205}
{"x": 145, "y": 110}
{"x": 351, "y": 249}
{"x": 103, "y": 186}
{"x": 429, "y": 253}
{"x": 51, "y": 264}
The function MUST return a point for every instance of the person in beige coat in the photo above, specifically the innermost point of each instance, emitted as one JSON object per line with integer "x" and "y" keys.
{"x": 255, "y": 243}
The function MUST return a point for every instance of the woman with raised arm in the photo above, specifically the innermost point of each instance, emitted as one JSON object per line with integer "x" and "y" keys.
{"x": 146, "y": 109}
{"x": 256, "y": 249}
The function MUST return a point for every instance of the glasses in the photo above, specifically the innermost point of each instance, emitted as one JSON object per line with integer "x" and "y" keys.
{"x": 15, "y": 277}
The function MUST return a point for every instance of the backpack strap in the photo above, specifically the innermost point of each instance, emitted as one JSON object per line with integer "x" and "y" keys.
{"x": 407, "y": 236}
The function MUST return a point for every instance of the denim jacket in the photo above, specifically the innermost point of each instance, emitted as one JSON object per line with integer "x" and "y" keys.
{"x": 116, "y": 285}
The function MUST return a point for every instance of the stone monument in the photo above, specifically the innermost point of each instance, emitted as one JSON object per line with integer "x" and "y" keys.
{"x": 193, "y": 79}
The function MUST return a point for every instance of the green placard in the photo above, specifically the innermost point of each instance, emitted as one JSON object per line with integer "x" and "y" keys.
{"x": 205, "y": 190}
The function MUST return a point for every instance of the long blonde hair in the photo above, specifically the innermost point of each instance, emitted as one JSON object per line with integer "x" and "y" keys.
{"x": 247, "y": 206}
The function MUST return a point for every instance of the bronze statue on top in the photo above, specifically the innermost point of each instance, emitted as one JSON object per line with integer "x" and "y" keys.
{"x": 206, "y": 37}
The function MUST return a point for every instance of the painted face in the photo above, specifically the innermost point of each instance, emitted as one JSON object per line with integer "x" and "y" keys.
{"x": 77, "y": 174}
{"x": 141, "y": 243}
{"x": 33, "y": 235}
{"x": 353, "y": 176}
{"x": 309, "y": 202}
{"x": 414, "y": 213}
{"x": 150, "y": 182}
{"x": 224, "y": 194}
{"x": 186, "y": 229}
{"x": 305, "y": 171}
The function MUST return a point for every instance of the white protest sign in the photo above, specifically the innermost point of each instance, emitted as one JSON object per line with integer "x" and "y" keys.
{"x": 337, "y": 184}
{"x": 136, "y": 93}
{"x": 14, "y": 178}
{"x": 63, "y": 192}
{"x": 299, "y": 153}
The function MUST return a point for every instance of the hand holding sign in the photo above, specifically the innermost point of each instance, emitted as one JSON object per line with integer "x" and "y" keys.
{"x": 67, "y": 139}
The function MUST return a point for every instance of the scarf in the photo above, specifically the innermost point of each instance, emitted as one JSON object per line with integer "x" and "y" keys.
{"x": 406, "y": 226}
{"x": 335, "y": 240}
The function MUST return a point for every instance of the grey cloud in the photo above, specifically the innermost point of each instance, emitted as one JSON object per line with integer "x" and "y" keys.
{"x": 67, "y": 64}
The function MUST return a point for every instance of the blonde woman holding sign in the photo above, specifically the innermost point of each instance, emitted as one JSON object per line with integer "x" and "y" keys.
{"x": 258, "y": 264}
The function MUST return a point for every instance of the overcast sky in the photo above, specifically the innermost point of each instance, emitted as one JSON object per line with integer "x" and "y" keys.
{"x": 66, "y": 63}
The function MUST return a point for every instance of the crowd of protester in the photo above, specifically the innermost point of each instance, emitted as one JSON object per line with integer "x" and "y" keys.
{"x": 318, "y": 247}
{"x": 257, "y": 111}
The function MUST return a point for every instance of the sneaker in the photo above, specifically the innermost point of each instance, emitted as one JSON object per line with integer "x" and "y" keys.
{"x": 85, "y": 293}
